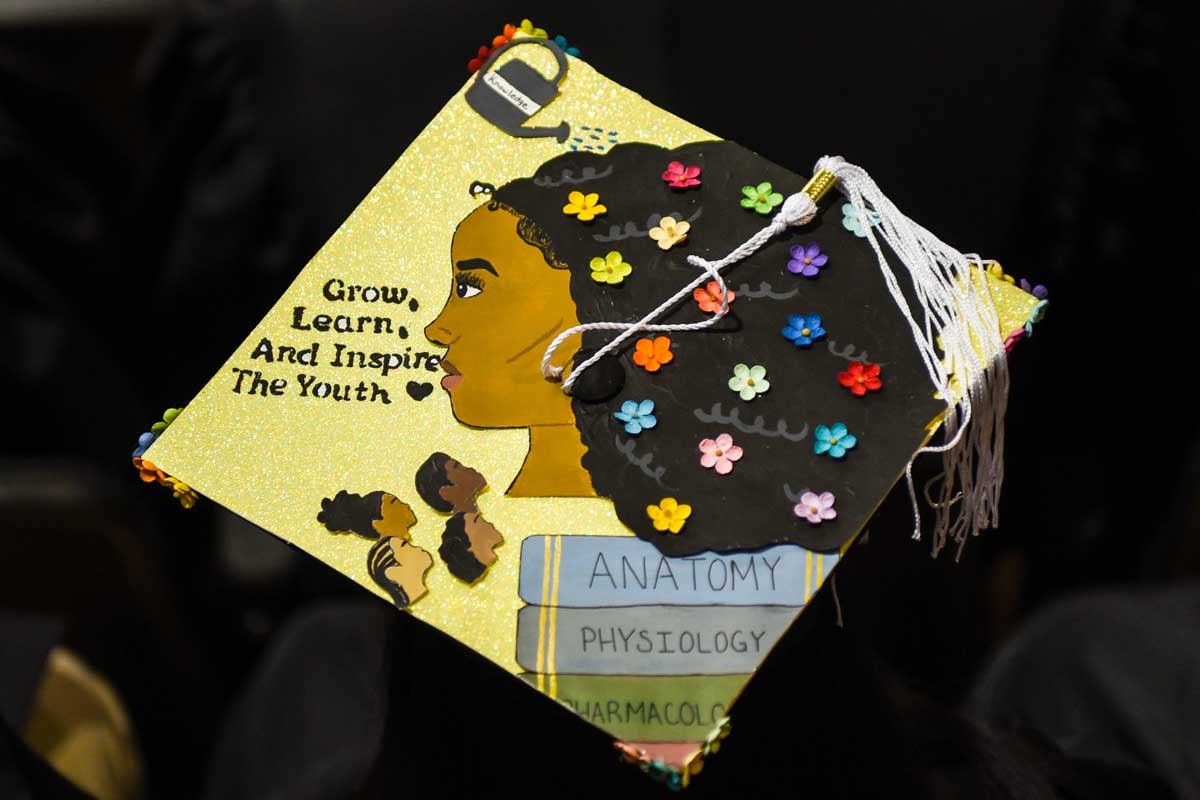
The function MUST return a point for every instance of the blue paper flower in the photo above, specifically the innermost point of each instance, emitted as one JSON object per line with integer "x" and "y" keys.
{"x": 637, "y": 416}
{"x": 835, "y": 441}
{"x": 853, "y": 223}
{"x": 804, "y": 329}
{"x": 144, "y": 442}
{"x": 563, "y": 45}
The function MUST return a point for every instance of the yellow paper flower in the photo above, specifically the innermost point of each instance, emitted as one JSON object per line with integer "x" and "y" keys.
{"x": 185, "y": 494}
{"x": 669, "y": 515}
{"x": 586, "y": 206}
{"x": 528, "y": 29}
{"x": 997, "y": 272}
{"x": 611, "y": 269}
{"x": 669, "y": 232}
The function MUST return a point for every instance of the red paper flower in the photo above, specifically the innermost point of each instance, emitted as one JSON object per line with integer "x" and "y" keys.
{"x": 860, "y": 378}
{"x": 475, "y": 63}
{"x": 709, "y": 297}
{"x": 680, "y": 177}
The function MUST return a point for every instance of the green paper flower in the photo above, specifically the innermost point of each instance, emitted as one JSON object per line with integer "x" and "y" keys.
{"x": 761, "y": 198}
{"x": 168, "y": 417}
{"x": 610, "y": 269}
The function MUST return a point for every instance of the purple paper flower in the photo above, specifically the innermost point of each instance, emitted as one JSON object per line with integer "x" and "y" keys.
{"x": 815, "y": 508}
{"x": 1039, "y": 291}
{"x": 807, "y": 260}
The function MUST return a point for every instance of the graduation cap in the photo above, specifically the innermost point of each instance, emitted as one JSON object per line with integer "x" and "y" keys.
{"x": 606, "y": 397}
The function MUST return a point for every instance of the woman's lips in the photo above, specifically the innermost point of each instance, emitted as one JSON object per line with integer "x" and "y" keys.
{"x": 453, "y": 379}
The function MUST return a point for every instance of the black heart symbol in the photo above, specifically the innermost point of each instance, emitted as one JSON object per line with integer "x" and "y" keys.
{"x": 418, "y": 391}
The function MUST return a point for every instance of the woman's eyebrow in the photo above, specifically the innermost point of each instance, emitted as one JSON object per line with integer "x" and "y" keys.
{"x": 477, "y": 263}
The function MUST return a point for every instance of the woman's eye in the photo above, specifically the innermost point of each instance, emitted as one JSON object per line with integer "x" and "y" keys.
{"x": 465, "y": 290}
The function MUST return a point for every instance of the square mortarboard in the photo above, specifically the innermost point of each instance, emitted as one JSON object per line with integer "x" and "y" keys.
{"x": 604, "y": 396}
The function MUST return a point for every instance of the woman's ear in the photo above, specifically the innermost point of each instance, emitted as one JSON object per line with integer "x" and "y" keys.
{"x": 600, "y": 382}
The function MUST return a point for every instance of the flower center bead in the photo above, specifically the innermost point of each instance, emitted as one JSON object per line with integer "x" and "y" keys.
{"x": 750, "y": 382}
{"x": 807, "y": 260}
{"x": 833, "y": 441}
{"x": 719, "y": 453}
{"x": 805, "y": 332}
{"x": 861, "y": 379}
{"x": 813, "y": 509}
{"x": 762, "y": 199}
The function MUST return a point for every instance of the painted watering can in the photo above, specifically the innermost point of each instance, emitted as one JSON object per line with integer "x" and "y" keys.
{"x": 510, "y": 95}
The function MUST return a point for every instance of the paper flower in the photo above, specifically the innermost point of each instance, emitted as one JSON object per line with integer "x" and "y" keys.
{"x": 168, "y": 417}
{"x": 650, "y": 355}
{"x": 526, "y": 27}
{"x": 185, "y": 494}
{"x": 148, "y": 472}
{"x": 998, "y": 272}
{"x": 680, "y": 177}
{"x": 852, "y": 222}
{"x": 804, "y": 329}
{"x": 144, "y": 442}
{"x": 719, "y": 454}
{"x": 1039, "y": 311}
{"x": 1013, "y": 338}
{"x": 611, "y": 269}
{"x": 816, "y": 508}
{"x": 587, "y": 206}
{"x": 709, "y": 296}
{"x": 761, "y": 198}
{"x": 1039, "y": 291}
{"x": 505, "y": 37}
{"x": 669, "y": 232}
{"x": 835, "y": 441}
{"x": 482, "y": 56}
{"x": 860, "y": 378}
{"x": 566, "y": 46}
{"x": 669, "y": 514}
{"x": 807, "y": 260}
{"x": 749, "y": 382}
{"x": 637, "y": 416}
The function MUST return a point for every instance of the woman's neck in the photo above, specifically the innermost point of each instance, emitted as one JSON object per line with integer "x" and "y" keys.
{"x": 554, "y": 466}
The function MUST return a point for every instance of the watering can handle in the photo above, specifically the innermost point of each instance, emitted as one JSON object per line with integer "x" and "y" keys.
{"x": 559, "y": 56}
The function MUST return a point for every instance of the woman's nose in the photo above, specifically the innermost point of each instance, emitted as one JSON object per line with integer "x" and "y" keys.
{"x": 438, "y": 333}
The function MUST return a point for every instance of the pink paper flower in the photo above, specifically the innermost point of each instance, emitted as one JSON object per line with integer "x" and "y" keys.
{"x": 681, "y": 177}
{"x": 815, "y": 508}
{"x": 719, "y": 453}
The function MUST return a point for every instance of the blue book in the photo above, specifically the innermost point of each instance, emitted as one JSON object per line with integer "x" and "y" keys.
{"x": 596, "y": 571}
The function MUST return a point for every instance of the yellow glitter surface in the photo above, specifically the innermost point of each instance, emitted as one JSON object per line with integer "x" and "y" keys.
{"x": 272, "y": 459}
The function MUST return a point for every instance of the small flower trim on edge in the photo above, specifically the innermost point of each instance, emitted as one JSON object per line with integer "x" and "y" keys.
{"x": 816, "y": 508}
{"x": 852, "y": 222}
{"x": 637, "y": 416}
{"x": 836, "y": 440}
{"x": 749, "y": 382}
{"x": 669, "y": 515}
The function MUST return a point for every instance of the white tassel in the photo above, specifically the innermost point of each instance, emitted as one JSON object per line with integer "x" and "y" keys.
{"x": 957, "y": 308}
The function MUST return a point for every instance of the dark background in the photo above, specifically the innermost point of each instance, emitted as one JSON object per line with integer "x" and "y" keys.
{"x": 166, "y": 169}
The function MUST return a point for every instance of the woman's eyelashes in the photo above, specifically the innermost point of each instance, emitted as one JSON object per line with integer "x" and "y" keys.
{"x": 467, "y": 284}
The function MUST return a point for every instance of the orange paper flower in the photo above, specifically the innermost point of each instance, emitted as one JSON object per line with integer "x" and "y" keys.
{"x": 709, "y": 297}
{"x": 650, "y": 355}
{"x": 148, "y": 472}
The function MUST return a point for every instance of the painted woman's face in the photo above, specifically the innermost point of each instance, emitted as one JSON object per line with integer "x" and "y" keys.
{"x": 484, "y": 538}
{"x": 409, "y": 570}
{"x": 397, "y": 518}
{"x": 506, "y": 304}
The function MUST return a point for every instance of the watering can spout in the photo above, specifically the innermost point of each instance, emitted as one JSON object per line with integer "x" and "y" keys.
{"x": 559, "y": 132}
